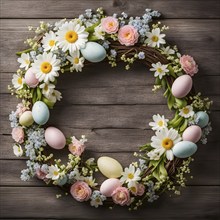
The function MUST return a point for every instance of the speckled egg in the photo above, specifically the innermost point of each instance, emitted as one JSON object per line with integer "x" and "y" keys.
{"x": 55, "y": 138}
{"x": 192, "y": 133}
{"x": 30, "y": 78}
{"x": 108, "y": 186}
{"x": 109, "y": 167}
{"x": 203, "y": 118}
{"x": 26, "y": 119}
{"x": 184, "y": 149}
{"x": 40, "y": 113}
{"x": 182, "y": 86}
{"x": 93, "y": 52}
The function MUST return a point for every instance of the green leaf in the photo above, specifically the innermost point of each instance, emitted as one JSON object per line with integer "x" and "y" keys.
{"x": 163, "y": 83}
{"x": 184, "y": 125}
{"x": 145, "y": 147}
{"x": 170, "y": 101}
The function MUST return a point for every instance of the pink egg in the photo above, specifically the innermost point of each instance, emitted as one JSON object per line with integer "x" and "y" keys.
{"x": 30, "y": 78}
{"x": 192, "y": 133}
{"x": 108, "y": 186}
{"x": 55, "y": 138}
{"x": 182, "y": 86}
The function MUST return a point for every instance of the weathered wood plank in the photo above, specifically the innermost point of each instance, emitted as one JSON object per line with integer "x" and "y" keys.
{"x": 192, "y": 36}
{"x": 195, "y": 203}
{"x": 51, "y": 8}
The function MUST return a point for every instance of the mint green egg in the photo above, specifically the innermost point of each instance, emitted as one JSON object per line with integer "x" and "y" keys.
{"x": 40, "y": 113}
{"x": 184, "y": 149}
{"x": 203, "y": 119}
{"x": 93, "y": 52}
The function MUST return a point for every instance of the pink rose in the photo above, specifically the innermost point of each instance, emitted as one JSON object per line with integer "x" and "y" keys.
{"x": 109, "y": 25}
{"x": 18, "y": 134}
{"x": 20, "y": 109}
{"x": 140, "y": 189}
{"x": 121, "y": 196}
{"x": 41, "y": 174}
{"x": 128, "y": 35}
{"x": 76, "y": 147}
{"x": 189, "y": 65}
{"x": 80, "y": 191}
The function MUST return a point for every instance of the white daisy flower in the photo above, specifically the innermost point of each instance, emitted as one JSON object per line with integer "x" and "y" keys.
{"x": 47, "y": 89}
{"x": 72, "y": 37}
{"x": 154, "y": 38}
{"x": 24, "y": 60}
{"x": 90, "y": 181}
{"x": 99, "y": 33}
{"x": 159, "y": 69}
{"x": 76, "y": 61}
{"x": 97, "y": 199}
{"x": 49, "y": 41}
{"x": 18, "y": 151}
{"x": 159, "y": 122}
{"x": 17, "y": 81}
{"x": 168, "y": 51}
{"x": 164, "y": 142}
{"x": 54, "y": 96}
{"x": 130, "y": 175}
{"x": 46, "y": 67}
{"x": 133, "y": 187}
{"x": 53, "y": 172}
{"x": 186, "y": 111}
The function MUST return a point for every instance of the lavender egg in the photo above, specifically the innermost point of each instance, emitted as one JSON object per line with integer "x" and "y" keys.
{"x": 108, "y": 186}
{"x": 30, "y": 78}
{"x": 192, "y": 133}
{"x": 182, "y": 86}
{"x": 55, "y": 138}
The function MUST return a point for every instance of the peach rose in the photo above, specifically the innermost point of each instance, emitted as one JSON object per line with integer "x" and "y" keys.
{"x": 80, "y": 191}
{"x": 140, "y": 189}
{"x": 121, "y": 196}
{"x": 18, "y": 134}
{"x": 41, "y": 174}
{"x": 189, "y": 65}
{"x": 76, "y": 147}
{"x": 128, "y": 35}
{"x": 109, "y": 25}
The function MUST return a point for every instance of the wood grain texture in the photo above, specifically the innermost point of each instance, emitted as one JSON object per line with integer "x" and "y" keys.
{"x": 72, "y": 8}
{"x": 40, "y": 202}
{"x": 112, "y": 107}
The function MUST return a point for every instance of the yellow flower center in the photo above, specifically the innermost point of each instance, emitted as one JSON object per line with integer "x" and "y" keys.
{"x": 20, "y": 81}
{"x": 133, "y": 189}
{"x": 55, "y": 173}
{"x": 159, "y": 70}
{"x": 46, "y": 87}
{"x": 76, "y": 60}
{"x": 155, "y": 38}
{"x": 160, "y": 123}
{"x": 185, "y": 110}
{"x": 71, "y": 36}
{"x": 130, "y": 176}
{"x": 167, "y": 143}
{"x": 27, "y": 62}
{"x": 46, "y": 67}
{"x": 52, "y": 43}
{"x": 72, "y": 148}
{"x": 97, "y": 200}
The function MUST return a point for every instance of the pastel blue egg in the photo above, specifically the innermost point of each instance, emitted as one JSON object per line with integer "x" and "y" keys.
{"x": 62, "y": 181}
{"x": 40, "y": 113}
{"x": 184, "y": 149}
{"x": 203, "y": 119}
{"x": 93, "y": 52}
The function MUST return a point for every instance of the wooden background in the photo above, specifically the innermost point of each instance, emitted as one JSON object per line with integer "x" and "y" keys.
{"x": 113, "y": 108}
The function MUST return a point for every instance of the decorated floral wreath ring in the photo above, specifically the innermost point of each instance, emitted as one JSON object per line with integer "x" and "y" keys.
{"x": 92, "y": 37}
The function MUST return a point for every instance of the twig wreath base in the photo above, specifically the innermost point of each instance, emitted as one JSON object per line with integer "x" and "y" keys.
{"x": 67, "y": 46}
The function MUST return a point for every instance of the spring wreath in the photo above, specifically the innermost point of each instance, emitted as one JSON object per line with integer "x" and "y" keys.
{"x": 67, "y": 46}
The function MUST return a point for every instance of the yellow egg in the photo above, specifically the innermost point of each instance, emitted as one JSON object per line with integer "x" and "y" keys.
{"x": 26, "y": 119}
{"x": 109, "y": 167}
